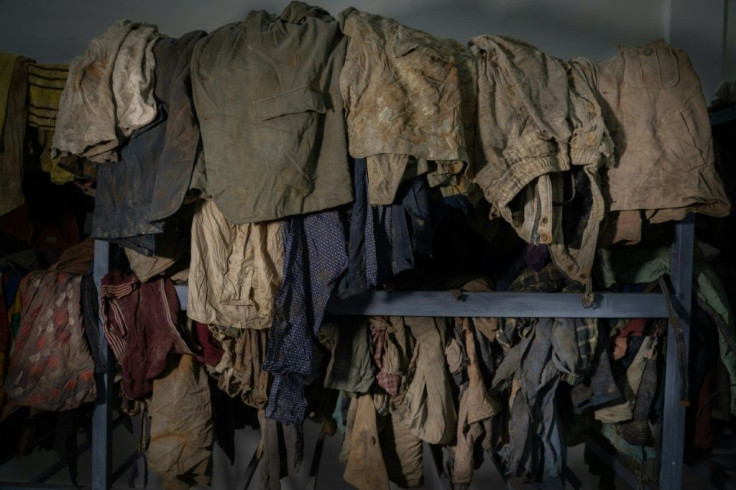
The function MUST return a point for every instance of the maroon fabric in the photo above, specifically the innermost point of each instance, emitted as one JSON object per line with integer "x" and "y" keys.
{"x": 210, "y": 354}
{"x": 50, "y": 365}
{"x": 141, "y": 325}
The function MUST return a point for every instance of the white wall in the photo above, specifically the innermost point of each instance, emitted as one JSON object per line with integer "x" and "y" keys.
{"x": 55, "y": 31}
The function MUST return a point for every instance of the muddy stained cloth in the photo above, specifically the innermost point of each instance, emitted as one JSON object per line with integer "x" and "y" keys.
{"x": 14, "y": 80}
{"x": 351, "y": 365}
{"x": 140, "y": 322}
{"x": 281, "y": 450}
{"x": 136, "y": 194}
{"x": 538, "y": 122}
{"x": 424, "y": 402}
{"x": 378, "y": 449}
{"x": 365, "y": 468}
{"x": 109, "y": 93}
{"x": 235, "y": 270}
{"x": 654, "y": 107}
{"x": 407, "y": 94}
{"x": 315, "y": 256}
{"x": 535, "y": 447}
{"x": 381, "y": 244}
{"x": 181, "y": 424}
{"x": 239, "y": 370}
{"x": 475, "y": 405}
{"x": 50, "y": 365}
{"x": 271, "y": 84}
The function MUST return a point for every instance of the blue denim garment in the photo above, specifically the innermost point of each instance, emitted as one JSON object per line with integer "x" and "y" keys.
{"x": 315, "y": 257}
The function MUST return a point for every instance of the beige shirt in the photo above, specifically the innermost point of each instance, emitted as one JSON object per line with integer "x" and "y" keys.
{"x": 235, "y": 270}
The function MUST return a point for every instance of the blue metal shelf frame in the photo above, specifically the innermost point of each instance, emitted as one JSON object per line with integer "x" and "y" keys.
{"x": 431, "y": 303}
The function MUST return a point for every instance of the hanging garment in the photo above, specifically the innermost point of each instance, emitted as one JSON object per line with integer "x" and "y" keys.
{"x": 181, "y": 424}
{"x": 535, "y": 448}
{"x": 140, "y": 321}
{"x": 380, "y": 242}
{"x": 654, "y": 107}
{"x": 239, "y": 370}
{"x": 475, "y": 406}
{"x": 280, "y": 450}
{"x": 424, "y": 402}
{"x": 267, "y": 97}
{"x": 13, "y": 102}
{"x": 45, "y": 86}
{"x": 50, "y": 365}
{"x": 539, "y": 125}
{"x": 109, "y": 93}
{"x": 351, "y": 365}
{"x": 235, "y": 270}
{"x": 315, "y": 258}
{"x": 147, "y": 186}
{"x": 407, "y": 94}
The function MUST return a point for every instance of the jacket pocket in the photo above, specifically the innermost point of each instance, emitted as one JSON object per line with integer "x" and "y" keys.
{"x": 650, "y": 67}
{"x": 297, "y": 101}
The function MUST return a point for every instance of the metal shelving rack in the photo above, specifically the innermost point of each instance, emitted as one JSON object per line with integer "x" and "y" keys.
{"x": 492, "y": 304}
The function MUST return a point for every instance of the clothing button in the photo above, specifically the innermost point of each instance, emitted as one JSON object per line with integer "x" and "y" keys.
{"x": 647, "y": 51}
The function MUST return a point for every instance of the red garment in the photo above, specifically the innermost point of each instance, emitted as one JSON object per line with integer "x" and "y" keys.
{"x": 211, "y": 354}
{"x": 50, "y": 365}
{"x": 140, "y": 321}
{"x": 635, "y": 328}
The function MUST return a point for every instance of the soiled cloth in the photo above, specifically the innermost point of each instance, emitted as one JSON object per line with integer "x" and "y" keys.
{"x": 378, "y": 449}
{"x": 181, "y": 424}
{"x": 424, "y": 402}
{"x": 239, "y": 370}
{"x": 50, "y": 365}
{"x": 280, "y": 450}
{"x": 266, "y": 92}
{"x": 351, "y": 365}
{"x": 140, "y": 321}
{"x": 135, "y": 195}
{"x": 653, "y": 105}
{"x": 109, "y": 92}
{"x": 535, "y": 448}
{"x": 407, "y": 94}
{"x": 12, "y": 138}
{"x": 235, "y": 270}
{"x": 475, "y": 406}
{"x": 45, "y": 86}
{"x": 365, "y": 468}
{"x": 315, "y": 257}
{"x": 648, "y": 265}
{"x": 540, "y": 124}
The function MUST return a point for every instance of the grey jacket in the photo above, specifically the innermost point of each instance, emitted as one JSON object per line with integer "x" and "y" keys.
{"x": 266, "y": 92}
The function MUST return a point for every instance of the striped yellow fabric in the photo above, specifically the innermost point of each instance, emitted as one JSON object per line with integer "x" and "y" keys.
{"x": 45, "y": 85}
